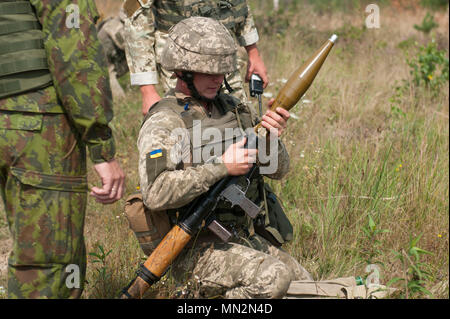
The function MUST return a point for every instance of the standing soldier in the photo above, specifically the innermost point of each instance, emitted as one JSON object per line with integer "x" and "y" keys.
{"x": 201, "y": 51}
{"x": 110, "y": 34}
{"x": 146, "y": 31}
{"x": 54, "y": 101}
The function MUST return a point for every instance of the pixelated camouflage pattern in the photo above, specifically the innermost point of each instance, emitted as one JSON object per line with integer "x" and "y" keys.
{"x": 140, "y": 42}
{"x": 166, "y": 130}
{"x": 248, "y": 268}
{"x": 140, "y": 37}
{"x": 168, "y": 82}
{"x": 231, "y": 13}
{"x": 43, "y": 138}
{"x": 199, "y": 44}
{"x": 173, "y": 187}
{"x": 244, "y": 269}
{"x": 165, "y": 77}
{"x": 143, "y": 56}
{"x": 111, "y": 36}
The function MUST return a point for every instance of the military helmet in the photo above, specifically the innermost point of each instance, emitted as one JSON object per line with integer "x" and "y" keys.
{"x": 199, "y": 44}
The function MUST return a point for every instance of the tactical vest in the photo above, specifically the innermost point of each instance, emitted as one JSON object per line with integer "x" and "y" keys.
{"x": 272, "y": 223}
{"x": 234, "y": 115}
{"x": 23, "y": 61}
{"x": 169, "y": 12}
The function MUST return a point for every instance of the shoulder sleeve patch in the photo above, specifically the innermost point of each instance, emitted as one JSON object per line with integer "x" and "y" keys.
{"x": 155, "y": 164}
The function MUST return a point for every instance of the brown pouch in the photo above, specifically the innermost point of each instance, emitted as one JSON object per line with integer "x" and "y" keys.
{"x": 149, "y": 227}
{"x": 131, "y": 6}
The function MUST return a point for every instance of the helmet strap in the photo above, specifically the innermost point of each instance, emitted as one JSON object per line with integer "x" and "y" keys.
{"x": 227, "y": 85}
{"x": 188, "y": 78}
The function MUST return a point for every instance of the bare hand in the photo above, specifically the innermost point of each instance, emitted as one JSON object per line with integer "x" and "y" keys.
{"x": 238, "y": 159}
{"x": 149, "y": 97}
{"x": 112, "y": 178}
{"x": 275, "y": 120}
{"x": 256, "y": 65}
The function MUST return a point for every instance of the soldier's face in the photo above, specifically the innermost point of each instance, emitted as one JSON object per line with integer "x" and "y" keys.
{"x": 208, "y": 84}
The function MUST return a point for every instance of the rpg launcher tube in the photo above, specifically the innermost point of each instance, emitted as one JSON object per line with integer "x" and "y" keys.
{"x": 172, "y": 244}
{"x": 157, "y": 263}
{"x": 302, "y": 78}
{"x": 176, "y": 239}
{"x": 169, "y": 248}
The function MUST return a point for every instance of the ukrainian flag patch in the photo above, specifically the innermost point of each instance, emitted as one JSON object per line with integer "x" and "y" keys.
{"x": 156, "y": 153}
{"x": 155, "y": 164}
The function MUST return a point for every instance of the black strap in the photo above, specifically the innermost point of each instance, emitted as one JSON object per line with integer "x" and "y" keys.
{"x": 125, "y": 292}
{"x": 227, "y": 85}
{"x": 146, "y": 275}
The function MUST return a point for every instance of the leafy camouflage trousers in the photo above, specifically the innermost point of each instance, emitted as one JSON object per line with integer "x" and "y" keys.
{"x": 251, "y": 268}
{"x": 234, "y": 79}
{"x": 43, "y": 185}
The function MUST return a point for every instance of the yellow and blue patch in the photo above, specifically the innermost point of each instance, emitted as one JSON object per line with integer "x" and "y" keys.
{"x": 155, "y": 154}
{"x": 155, "y": 164}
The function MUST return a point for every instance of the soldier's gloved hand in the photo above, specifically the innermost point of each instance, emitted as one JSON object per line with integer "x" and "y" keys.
{"x": 112, "y": 178}
{"x": 237, "y": 159}
{"x": 149, "y": 97}
{"x": 275, "y": 120}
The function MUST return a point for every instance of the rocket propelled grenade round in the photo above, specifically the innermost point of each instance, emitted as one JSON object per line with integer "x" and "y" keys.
{"x": 302, "y": 78}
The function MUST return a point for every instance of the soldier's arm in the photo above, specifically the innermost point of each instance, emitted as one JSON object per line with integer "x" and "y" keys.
{"x": 164, "y": 147}
{"x": 139, "y": 34}
{"x": 78, "y": 67}
{"x": 139, "y": 31}
{"x": 247, "y": 36}
{"x": 246, "y": 32}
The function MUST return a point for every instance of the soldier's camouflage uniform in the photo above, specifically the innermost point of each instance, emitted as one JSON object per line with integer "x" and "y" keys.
{"x": 145, "y": 38}
{"x": 111, "y": 36}
{"x": 43, "y": 139}
{"x": 170, "y": 176}
{"x": 248, "y": 267}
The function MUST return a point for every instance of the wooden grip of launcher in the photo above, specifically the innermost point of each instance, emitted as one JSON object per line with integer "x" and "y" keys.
{"x": 173, "y": 243}
{"x": 169, "y": 248}
{"x": 158, "y": 262}
{"x": 302, "y": 78}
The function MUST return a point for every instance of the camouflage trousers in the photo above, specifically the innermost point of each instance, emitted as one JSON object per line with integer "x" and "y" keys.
{"x": 43, "y": 186}
{"x": 251, "y": 268}
{"x": 234, "y": 79}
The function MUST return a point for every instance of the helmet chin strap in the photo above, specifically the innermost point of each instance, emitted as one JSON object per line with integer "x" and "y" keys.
{"x": 227, "y": 85}
{"x": 188, "y": 78}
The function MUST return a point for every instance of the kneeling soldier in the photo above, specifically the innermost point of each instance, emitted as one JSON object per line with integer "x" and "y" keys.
{"x": 178, "y": 163}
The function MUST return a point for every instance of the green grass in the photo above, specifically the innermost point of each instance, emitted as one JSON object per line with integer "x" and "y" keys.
{"x": 363, "y": 152}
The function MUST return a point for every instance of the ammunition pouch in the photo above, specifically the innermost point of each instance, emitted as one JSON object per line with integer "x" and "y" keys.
{"x": 148, "y": 226}
{"x": 274, "y": 225}
{"x": 23, "y": 60}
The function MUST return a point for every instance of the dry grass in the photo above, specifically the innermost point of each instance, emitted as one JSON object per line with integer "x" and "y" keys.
{"x": 348, "y": 140}
{"x": 346, "y": 148}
